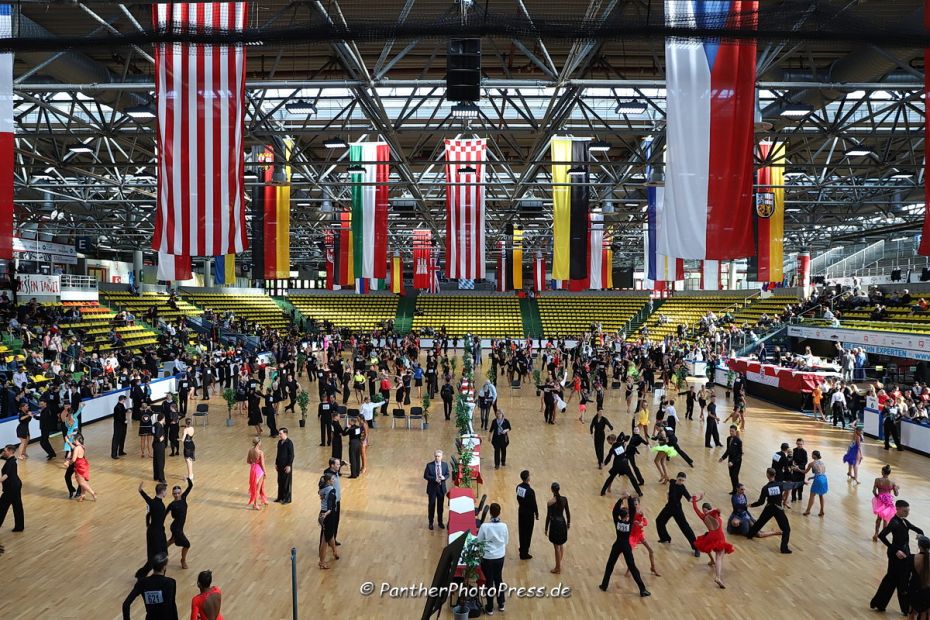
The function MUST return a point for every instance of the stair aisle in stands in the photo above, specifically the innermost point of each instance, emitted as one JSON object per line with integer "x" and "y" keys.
{"x": 406, "y": 306}
{"x": 532, "y": 322}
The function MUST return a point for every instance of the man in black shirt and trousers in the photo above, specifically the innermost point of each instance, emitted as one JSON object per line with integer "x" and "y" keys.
{"x": 157, "y": 591}
{"x": 283, "y": 462}
{"x": 672, "y": 510}
{"x": 621, "y": 465}
{"x": 771, "y": 495}
{"x": 733, "y": 455}
{"x": 527, "y": 513}
{"x": 632, "y": 449}
{"x": 325, "y": 414}
{"x": 120, "y": 424}
{"x": 155, "y": 540}
{"x": 899, "y": 559}
{"x": 48, "y": 424}
{"x": 711, "y": 436}
{"x": 623, "y": 524}
{"x": 184, "y": 394}
{"x": 12, "y": 489}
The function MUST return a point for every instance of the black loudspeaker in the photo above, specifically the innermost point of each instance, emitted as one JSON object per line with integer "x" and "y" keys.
{"x": 463, "y": 70}
{"x": 896, "y": 275}
{"x": 925, "y": 275}
{"x": 818, "y": 280}
{"x": 623, "y": 277}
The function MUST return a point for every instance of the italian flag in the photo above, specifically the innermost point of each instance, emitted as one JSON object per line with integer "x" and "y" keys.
{"x": 370, "y": 208}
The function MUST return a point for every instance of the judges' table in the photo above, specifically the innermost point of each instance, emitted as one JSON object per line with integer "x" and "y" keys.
{"x": 461, "y": 512}
{"x": 696, "y": 368}
{"x": 780, "y": 385}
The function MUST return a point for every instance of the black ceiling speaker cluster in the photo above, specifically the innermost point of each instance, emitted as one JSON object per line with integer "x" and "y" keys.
{"x": 463, "y": 70}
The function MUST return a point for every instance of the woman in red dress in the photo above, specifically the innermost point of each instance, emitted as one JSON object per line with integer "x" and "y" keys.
{"x": 206, "y": 605}
{"x": 714, "y": 542}
{"x": 638, "y": 534}
{"x": 81, "y": 468}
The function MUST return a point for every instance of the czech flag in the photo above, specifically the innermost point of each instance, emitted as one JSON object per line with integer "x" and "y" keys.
{"x": 710, "y": 108}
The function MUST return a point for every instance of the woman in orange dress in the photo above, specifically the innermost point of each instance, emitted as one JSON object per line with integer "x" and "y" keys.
{"x": 256, "y": 460}
{"x": 714, "y": 542}
{"x": 81, "y": 468}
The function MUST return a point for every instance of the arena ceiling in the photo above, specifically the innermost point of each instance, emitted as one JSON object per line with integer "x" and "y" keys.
{"x": 848, "y": 73}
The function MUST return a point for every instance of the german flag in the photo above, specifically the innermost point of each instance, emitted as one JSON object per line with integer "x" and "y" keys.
{"x": 570, "y": 233}
{"x": 769, "y": 216}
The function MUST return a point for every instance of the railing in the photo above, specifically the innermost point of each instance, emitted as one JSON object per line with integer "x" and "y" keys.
{"x": 81, "y": 282}
{"x": 820, "y": 263}
{"x": 857, "y": 261}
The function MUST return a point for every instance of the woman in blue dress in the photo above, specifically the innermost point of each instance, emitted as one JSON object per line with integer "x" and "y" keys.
{"x": 853, "y": 456}
{"x": 819, "y": 486}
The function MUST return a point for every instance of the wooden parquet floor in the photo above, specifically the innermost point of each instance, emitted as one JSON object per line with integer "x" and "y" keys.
{"x": 76, "y": 560}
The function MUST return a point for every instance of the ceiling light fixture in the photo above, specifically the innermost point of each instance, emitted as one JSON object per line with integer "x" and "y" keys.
{"x": 335, "y": 143}
{"x": 577, "y": 171}
{"x": 465, "y": 110}
{"x": 797, "y": 110}
{"x": 80, "y": 148}
{"x": 631, "y": 106}
{"x": 356, "y": 169}
{"x": 858, "y": 152}
{"x": 599, "y": 146}
{"x": 467, "y": 170}
{"x": 141, "y": 112}
{"x": 300, "y": 106}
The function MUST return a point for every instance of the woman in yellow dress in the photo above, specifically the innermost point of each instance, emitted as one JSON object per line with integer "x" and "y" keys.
{"x": 642, "y": 417}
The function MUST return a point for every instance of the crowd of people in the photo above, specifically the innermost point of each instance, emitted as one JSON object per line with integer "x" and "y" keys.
{"x": 358, "y": 375}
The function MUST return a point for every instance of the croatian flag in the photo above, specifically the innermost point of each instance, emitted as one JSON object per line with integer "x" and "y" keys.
{"x": 710, "y": 107}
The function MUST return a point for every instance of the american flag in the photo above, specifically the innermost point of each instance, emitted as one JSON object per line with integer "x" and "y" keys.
{"x": 200, "y": 96}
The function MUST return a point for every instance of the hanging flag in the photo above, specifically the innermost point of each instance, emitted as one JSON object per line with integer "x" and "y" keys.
{"x": 516, "y": 260}
{"x": 362, "y": 285}
{"x": 707, "y": 211}
{"x": 434, "y": 275}
{"x": 767, "y": 265}
{"x": 710, "y": 275}
{"x": 271, "y": 214}
{"x": 596, "y": 249}
{"x": 569, "y": 208}
{"x": 200, "y": 100}
{"x": 329, "y": 253}
{"x": 539, "y": 274}
{"x": 658, "y": 266}
{"x": 173, "y": 268}
{"x": 608, "y": 266}
{"x": 6, "y": 139}
{"x": 397, "y": 275}
{"x": 224, "y": 269}
{"x": 804, "y": 273}
{"x": 466, "y": 284}
{"x": 556, "y": 285}
{"x": 346, "y": 256}
{"x": 924, "y": 247}
{"x": 422, "y": 255}
{"x": 465, "y": 203}
{"x": 370, "y": 207}
{"x": 503, "y": 273}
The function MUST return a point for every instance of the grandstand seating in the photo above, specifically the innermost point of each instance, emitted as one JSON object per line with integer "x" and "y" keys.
{"x": 572, "y": 316}
{"x": 484, "y": 316}
{"x": 261, "y": 309}
{"x": 365, "y": 312}
{"x": 896, "y": 326}
{"x": 97, "y": 322}
{"x": 687, "y": 310}
{"x": 897, "y": 314}
{"x": 772, "y": 306}
{"x": 140, "y": 304}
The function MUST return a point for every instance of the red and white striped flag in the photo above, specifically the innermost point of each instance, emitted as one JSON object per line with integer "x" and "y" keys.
{"x": 539, "y": 274}
{"x": 465, "y": 209}
{"x": 200, "y": 96}
{"x": 174, "y": 268}
{"x": 6, "y": 139}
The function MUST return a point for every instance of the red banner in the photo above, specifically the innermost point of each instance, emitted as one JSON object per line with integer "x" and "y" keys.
{"x": 422, "y": 251}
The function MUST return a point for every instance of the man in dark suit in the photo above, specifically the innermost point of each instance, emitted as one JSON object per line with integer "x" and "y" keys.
{"x": 900, "y": 559}
{"x": 325, "y": 414}
{"x": 283, "y": 462}
{"x": 436, "y": 474}
{"x": 527, "y": 514}
{"x": 120, "y": 424}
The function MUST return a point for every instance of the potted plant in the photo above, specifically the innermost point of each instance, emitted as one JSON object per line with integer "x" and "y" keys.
{"x": 463, "y": 416}
{"x": 229, "y": 395}
{"x": 377, "y": 398}
{"x": 464, "y": 473}
{"x": 730, "y": 376}
{"x": 303, "y": 401}
{"x": 491, "y": 376}
{"x": 472, "y": 554}
{"x": 426, "y": 404}
{"x": 453, "y": 364}
{"x": 537, "y": 376}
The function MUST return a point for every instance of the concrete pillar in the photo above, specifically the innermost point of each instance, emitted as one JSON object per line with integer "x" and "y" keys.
{"x": 137, "y": 266}
{"x": 207, "y": 276}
